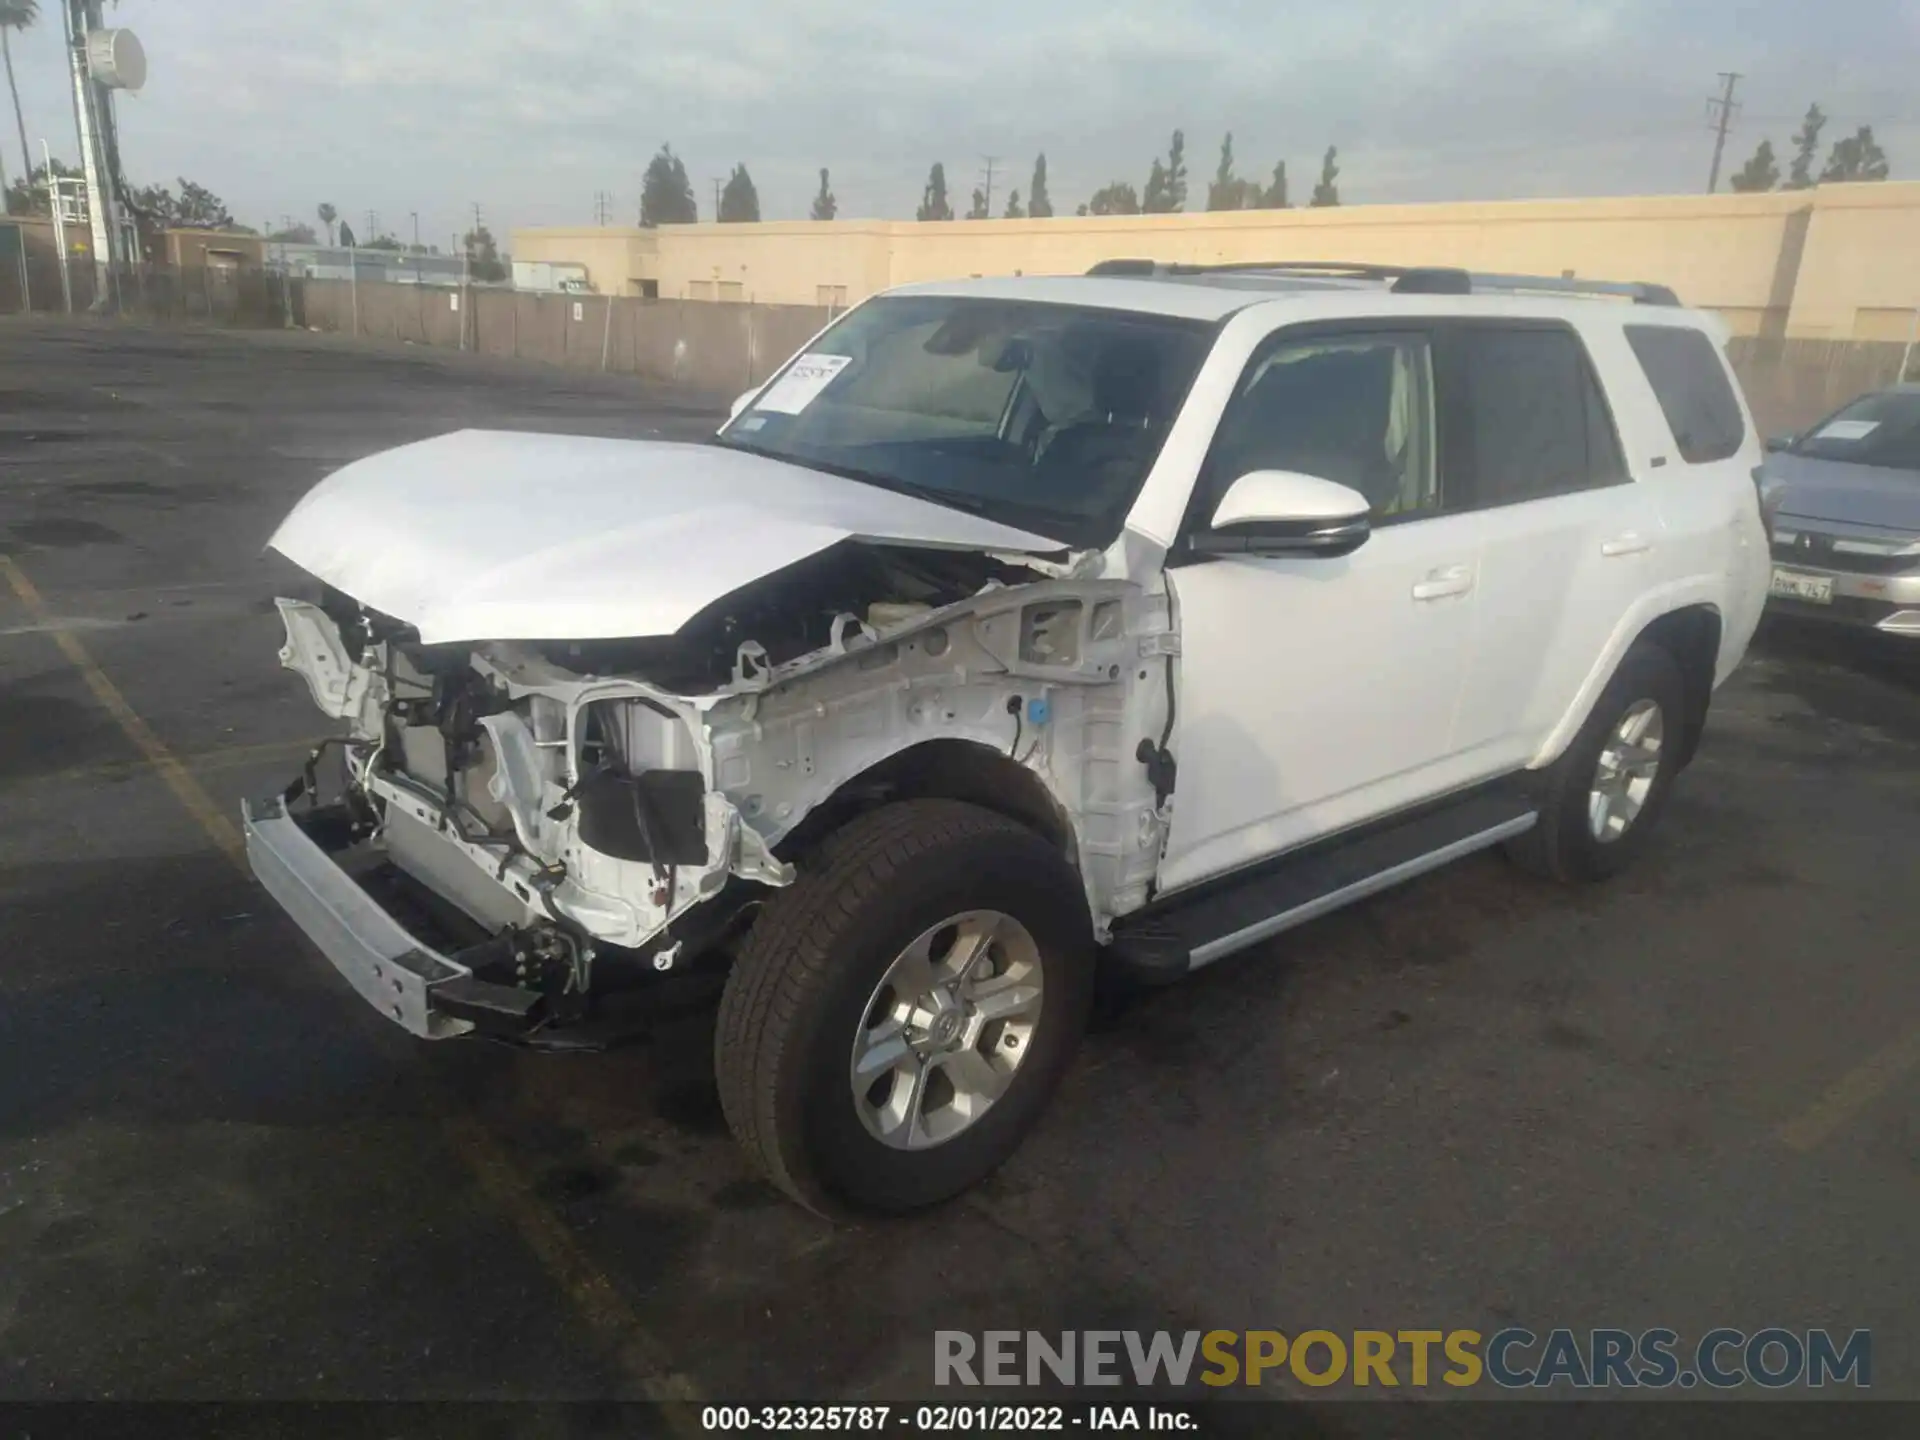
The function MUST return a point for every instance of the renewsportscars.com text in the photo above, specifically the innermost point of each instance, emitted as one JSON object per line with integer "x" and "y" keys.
{"x": 1514, "y": 1358}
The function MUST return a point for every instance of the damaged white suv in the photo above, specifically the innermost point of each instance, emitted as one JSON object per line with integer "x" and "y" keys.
{"x": 1016, "y": 628}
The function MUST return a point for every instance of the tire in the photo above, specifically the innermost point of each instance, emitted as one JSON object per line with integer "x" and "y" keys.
{"x": 1564, "y": 844}
{"x": 803, "y": 993}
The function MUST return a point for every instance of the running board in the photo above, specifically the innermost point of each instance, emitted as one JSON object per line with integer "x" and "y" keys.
{"x": 1185, "y": 932}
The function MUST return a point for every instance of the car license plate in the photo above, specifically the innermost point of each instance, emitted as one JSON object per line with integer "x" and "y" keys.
{"x": 1794, "y": 585}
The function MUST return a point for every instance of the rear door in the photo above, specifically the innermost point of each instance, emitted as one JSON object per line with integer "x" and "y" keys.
{"x": 1569, "y": 542}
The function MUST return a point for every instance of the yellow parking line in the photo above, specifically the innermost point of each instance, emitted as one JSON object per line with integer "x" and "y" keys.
{"x": 595, "y": 1296}
{"x": 197, "y": 803}
{"x": 1853, "y": 1092}
{"x": 200, "y": 762}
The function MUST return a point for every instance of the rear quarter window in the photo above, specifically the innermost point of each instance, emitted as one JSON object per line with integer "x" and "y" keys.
{"x": 1691, "y": 385}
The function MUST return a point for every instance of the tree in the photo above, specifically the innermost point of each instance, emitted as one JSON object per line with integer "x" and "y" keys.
{"x": 739, "y": 202}
{"x": 1326, "y": 192}
{"x": 16, "y": 15}
{"x": 825, "y": 207}
{"x": 200, "y": 209}
{"x": 1761, "y": 172}
{"x": 1119, "y": 198}
{"x": 977, "y": 209}
{"x": 1857, "y": 157}
{"x": 666, "y": 194}
{"x": 1275, "y": 195}
{"x": 30, "y": 194}
{"x": 346, "y": 235}
{"x": 1225, "y": 190}
{"x": 933, "y": 203}
{"x": 296, "y": 234}
{"x": 1015, "y": 210}
{"x": 327, "y": 216}
{"x": 483, "y": 255}
{"x": 1039, "y": 203}
{"x": 385, "y": 242}
{"x": 1166, "y": 190}
{"x": 1805, "y": 144}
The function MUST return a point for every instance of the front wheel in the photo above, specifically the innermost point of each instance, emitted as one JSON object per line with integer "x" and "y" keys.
{"x": 899, "y": 1015}
{"x": 1602, "y": 798}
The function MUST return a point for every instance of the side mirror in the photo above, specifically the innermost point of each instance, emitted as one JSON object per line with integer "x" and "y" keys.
{"x": 1282, "y": 512}
{"x": 1780, "y": 442}
{"x": 741, "y": 402}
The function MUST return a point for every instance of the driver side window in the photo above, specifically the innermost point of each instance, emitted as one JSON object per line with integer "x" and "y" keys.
{"x": 1356, "y": 409}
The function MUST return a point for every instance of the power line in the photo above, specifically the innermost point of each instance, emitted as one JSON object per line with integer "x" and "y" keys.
{"x": 1720, "y": 109}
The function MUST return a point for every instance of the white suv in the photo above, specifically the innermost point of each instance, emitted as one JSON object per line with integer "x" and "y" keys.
{"x": 1014, "y": 629}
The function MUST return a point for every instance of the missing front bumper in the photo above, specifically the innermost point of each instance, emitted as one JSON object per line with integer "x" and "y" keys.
{"x": 425, "y": 992}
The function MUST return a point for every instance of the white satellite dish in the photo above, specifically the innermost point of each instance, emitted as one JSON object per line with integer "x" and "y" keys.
{"x": 115, "y": 59}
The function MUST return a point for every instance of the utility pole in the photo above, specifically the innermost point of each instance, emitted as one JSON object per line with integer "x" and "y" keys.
{"x": 991, "y": 161}
{"x": 716, "y": 197}
{"x": 416, "y": 230}
{"x": 602, "y": 207}
{"x": 373, "y": 226}
{"x": 1720, "y": 110}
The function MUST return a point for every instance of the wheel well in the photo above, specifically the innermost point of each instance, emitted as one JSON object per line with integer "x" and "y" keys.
{"x": 1692, "y": 636}
{"x": 942, "y": 770}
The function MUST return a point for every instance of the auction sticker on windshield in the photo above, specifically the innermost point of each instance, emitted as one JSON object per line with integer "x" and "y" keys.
{"x": 802, "y": 383}
{"x": 1846, "y": 430}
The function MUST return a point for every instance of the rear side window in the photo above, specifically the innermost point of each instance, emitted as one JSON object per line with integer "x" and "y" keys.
{"x": 1524, "y": 418}
{"x": 1691, "y": 385}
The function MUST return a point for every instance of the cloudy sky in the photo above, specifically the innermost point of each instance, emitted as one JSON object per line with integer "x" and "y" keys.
{"x": 427, "y": 106}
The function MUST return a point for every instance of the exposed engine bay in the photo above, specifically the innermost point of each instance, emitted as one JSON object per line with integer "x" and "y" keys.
{"x": 573, "y": 802}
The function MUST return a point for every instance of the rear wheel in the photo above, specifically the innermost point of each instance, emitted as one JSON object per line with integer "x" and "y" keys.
{"x": 900, "y": 1014}
{"x": 1604, "y": 795}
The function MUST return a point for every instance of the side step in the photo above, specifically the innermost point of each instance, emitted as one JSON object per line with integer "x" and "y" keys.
{"x": 1191, "y": 929}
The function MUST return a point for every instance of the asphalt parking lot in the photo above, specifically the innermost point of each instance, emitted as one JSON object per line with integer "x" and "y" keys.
{"x": 1690, "y": 1098}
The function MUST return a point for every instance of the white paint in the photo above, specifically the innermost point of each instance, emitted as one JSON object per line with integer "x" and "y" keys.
{"x": 1282, "y": 495}
{"x": 506, "y": 536}
{"x": 1315, "y": 692}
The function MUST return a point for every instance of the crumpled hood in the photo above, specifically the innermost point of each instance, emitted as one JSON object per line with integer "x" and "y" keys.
{"x": 495, "y": 535}
{"x": 1865, "y": 495}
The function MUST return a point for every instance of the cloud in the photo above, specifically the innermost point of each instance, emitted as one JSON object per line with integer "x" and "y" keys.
{"x": 429, "y": 106}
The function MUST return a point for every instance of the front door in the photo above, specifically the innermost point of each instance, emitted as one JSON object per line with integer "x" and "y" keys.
{"x": 1314, "y": 694}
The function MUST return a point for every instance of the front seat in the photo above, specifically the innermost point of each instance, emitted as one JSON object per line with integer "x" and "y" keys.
{"x": 1091, "y": 461}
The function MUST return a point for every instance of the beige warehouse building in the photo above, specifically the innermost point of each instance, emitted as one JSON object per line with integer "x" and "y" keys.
{"x": 1838, "y": 262}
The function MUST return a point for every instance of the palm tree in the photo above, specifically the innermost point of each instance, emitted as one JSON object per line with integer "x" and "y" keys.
{"x": 327, "y": 216}
{"x": 17, "y": 15}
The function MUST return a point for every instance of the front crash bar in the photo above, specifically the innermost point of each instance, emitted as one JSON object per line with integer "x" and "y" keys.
{"x": 419, "y": 989}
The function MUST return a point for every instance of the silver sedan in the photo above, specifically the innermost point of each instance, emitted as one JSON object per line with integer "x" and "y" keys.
{"x": 1843, "y": 498}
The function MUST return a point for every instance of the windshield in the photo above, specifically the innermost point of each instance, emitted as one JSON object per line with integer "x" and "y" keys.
{"x": 1047, "y": 417}
{"x": 1879, "y": 430}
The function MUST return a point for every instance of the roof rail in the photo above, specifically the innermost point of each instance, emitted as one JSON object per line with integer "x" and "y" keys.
{"x": 1404, "y": 279}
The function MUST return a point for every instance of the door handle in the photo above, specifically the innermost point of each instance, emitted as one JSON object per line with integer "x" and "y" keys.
{"x": 1630, "y": 542}
{"x": 1454, "y": 580}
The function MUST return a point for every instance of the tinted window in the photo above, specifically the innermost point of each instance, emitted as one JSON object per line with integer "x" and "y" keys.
{"x": 1879, "y": 430}
{"x": 1044, "y": 416}
{"x": 1691, "y": 384}
{"x": 1352, "y": 409}
{"x": 1525, "y": 417}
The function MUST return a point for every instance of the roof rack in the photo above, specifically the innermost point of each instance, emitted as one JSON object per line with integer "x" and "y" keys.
{"x": 1402, "y": 279}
